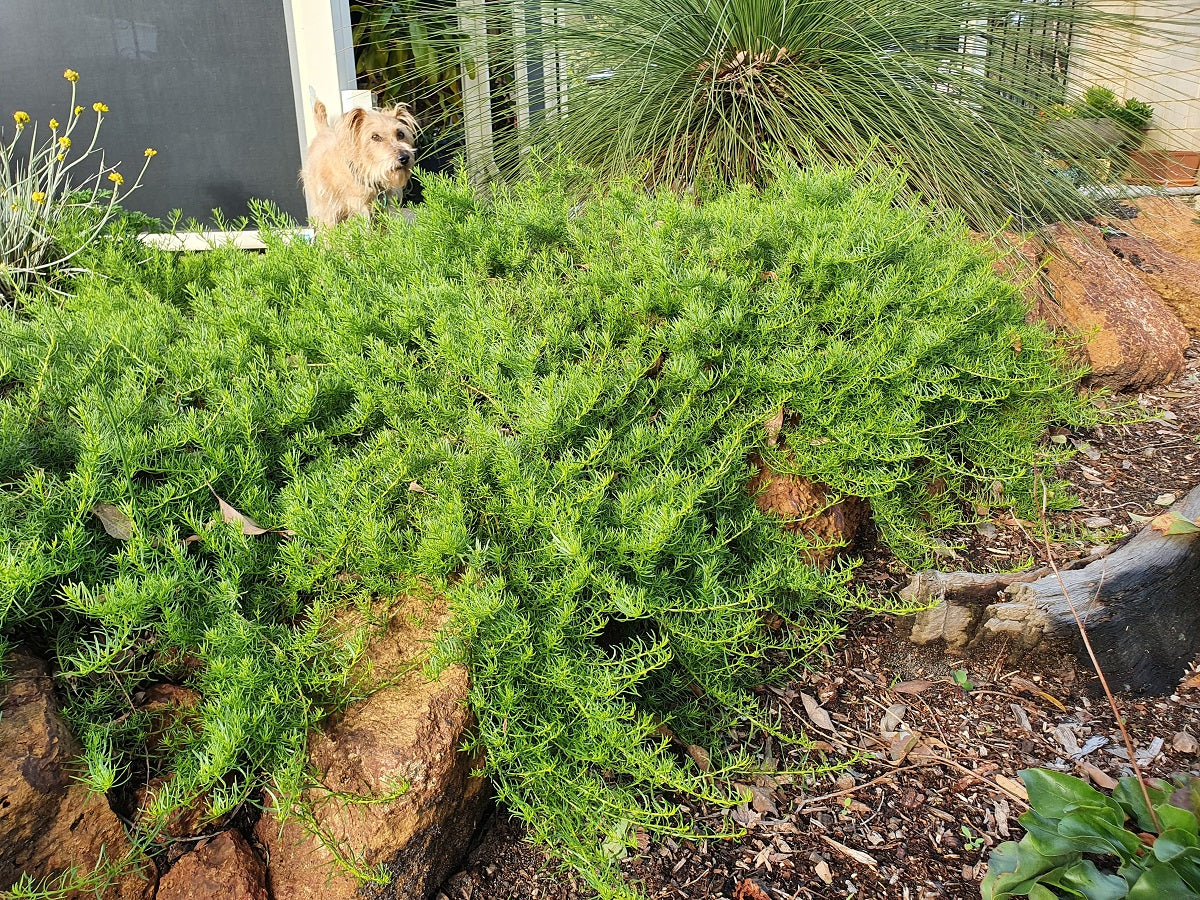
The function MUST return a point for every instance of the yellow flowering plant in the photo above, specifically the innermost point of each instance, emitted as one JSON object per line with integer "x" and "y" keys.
{"x": 41, "y": 181}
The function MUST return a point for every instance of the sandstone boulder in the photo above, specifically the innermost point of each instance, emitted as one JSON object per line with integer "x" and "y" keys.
{"x": 1173, "y": 276}
{"x": 223, "y": 868}
{"x": 48, "y": 821}
{"x": 1169, "y": 223}
{"x": 808, "y": 508}
{"x": 395, "y": 791}
{"x": 1134, "y": 339}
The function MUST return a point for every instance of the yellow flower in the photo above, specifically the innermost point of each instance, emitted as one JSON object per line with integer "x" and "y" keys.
{"x": 71, "y": 75}
{"x": 21, "y": 117}
{"x": 100, "y": 107}
{"x": 65, "y": 142}
{"x": 38, "y": 197}
{"x": 116, "y": 178}
{"x": 60, "y": 157}
{"x": 150, "y": 151}
{"x": 53, "y": 123}
{"x": 78, "y": 110}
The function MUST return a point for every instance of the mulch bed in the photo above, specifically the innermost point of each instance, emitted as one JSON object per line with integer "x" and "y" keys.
{"x": 927, "y": 745}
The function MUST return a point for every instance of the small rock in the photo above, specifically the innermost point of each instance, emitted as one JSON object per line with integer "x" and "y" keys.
{"x": 986, "y": 529}
{"x": 49, "y": 821}
{"x": 807, "y": 508}
{"x": 224, "y": 868}
{"x": 1183, "y": 742}
{"x": 1164, "y": 500}
{"x": 1097, "y": 522}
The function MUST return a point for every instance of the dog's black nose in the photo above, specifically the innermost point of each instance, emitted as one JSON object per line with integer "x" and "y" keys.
{"x": 404, "y": 158}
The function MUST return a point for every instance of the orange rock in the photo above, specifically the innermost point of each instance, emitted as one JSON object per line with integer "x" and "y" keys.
{"x": 48, "y": 821}
{"x": 1169, "y": 223}
{"x": 1173, "y": 276}
{"x": 806, "y": 508}
{"x": 223, "y": 868}
{"x": 399, "y": 750}
{"x": 1134, "y": 340}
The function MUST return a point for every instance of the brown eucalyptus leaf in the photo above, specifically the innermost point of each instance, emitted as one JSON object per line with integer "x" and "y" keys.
{"x": 816, "y": 714}
{"x": 234, "y": 517}
{"x": 762, "y": 801}
{"x": 115, "y": 522}
{"x": 858, "y": 856}
{"x": 917, "y": 686}
{"x": 700, "y": 757}
{"x": 773, "y": 425}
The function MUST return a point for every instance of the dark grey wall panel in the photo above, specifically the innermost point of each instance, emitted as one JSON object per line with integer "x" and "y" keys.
{"x": 208, "y": 83}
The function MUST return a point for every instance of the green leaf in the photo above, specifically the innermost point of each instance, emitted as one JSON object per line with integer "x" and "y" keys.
{"x": 1128, "y": 793}
{"x": 1101, "y": 835}
{"x": 1014, "y": 867}
{"x": 1174, "y": 818}
{"x": 1083, "y": 879}
{"x": 1041, "y": 892}
{"x": 1054, "y": 794}
{"x": 1161, "y": 883}
{"x": 1175, "y": 842}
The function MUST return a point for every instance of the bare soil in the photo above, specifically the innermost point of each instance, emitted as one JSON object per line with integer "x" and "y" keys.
{"x": 926, "y": 745}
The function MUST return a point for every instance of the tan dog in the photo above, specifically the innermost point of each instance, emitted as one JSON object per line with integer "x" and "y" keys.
{"x": 355, "y": 159}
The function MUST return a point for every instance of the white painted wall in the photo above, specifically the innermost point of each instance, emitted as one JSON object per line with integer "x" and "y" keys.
{"x": 1161, "y": 67}
{"x": 322, "y": 49}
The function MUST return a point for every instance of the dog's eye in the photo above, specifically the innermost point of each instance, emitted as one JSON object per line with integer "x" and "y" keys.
{"x": 400, "y": 134}
{"x": 376, "y": 137}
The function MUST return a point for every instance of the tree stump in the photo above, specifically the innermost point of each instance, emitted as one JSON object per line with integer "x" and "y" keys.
{"x": 1140, "y": 605}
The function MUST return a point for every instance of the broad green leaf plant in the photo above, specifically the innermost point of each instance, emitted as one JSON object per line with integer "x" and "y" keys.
{"x": 43, "y": 183}
{"x": 1080, "y": 843}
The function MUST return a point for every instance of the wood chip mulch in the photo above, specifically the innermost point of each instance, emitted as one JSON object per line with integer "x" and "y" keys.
{"x": 925, "y": 746}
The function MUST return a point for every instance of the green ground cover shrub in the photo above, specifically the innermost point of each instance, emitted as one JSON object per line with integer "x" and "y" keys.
{"x": 541, "y": 407}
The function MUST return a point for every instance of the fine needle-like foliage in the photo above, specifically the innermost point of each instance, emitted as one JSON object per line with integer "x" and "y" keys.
{"x": 543, "y": 409}
{"x": 688, "y": 91}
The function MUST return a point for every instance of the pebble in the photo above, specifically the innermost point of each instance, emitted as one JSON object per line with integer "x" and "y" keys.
{"x": 1164, "y": 499}
{"x": 1097, "y": 522}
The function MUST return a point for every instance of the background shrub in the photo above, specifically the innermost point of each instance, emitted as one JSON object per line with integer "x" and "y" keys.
{"x": 687, "y": 92}
{"x": 541, "y": 407}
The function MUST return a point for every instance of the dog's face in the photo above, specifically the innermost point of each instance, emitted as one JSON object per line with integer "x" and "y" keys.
{"x": 385, "y": 145}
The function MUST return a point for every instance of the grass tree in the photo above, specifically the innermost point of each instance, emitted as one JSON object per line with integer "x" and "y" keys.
{"x": 691, "y": 92}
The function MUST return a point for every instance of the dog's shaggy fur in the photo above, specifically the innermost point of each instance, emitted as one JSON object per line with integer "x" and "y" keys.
{"x": 355, "y": 159}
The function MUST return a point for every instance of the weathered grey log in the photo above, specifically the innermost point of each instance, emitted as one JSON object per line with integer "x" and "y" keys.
{"x": 1141, "y": 606}
{"x": 962, "y": 606}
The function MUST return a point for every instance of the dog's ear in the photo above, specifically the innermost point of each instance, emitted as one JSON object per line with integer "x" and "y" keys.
{"x": 355, "y": 119}
{"x": 404, "y": 114}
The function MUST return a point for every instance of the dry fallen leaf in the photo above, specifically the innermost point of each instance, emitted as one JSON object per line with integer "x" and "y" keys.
{"x": 822, "y": 871}
{"x": 1026, "y": 686}
{"x": 1099, "y": 777}
{"x": 115, "y": 522}
{"x": 700, "y": 757}
{"x": 772, "y": 427}
{"x": 749, "y": 890}
{"x": 416, "y": 488}
{"x": 233, "y": 517}
{"x": 892, "y": 718}
{"x": 762, "y": 802}
{"x": 858, "y": 856}
{"x": 917, "y": 686}
{"x": 902, "y": 744}
{"x": 1012, "y": 787}
{"x": 1183, "y": 742}
{"x": 816, "y": 714}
